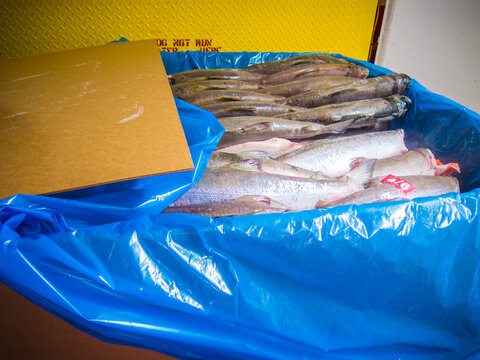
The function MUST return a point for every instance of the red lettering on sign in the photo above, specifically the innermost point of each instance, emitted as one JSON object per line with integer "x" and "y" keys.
{"x": 402, "y": 185}
{"x": 161, "y": 42}
{"x": 214, "y": 48}
{"x": 203, "y": 42}
{"x": 181, "y": 42}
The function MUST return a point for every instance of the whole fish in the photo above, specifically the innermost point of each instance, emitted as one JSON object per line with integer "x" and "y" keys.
{"x": 379, "y": 109}
{"x": 185, "y": 89}
{"x": 224, "y": 184}
{"x": 336, "y": 157}
{"x": 213, "y": 74}
{"x": 311, "y": 70}
{"x": 424, "y": 186}
{"x": 306, "y": 84}
{"x": 247, "y": 108}
{"x": 272, "y": 147}
{"x": 271, "y": 67}
{"x": 247, "y": 205}
{"x": 253, "y": 128}
{"x": 376, "y": 87}
{"x": 214, "y": 96}
{"x": 271, "y": 166}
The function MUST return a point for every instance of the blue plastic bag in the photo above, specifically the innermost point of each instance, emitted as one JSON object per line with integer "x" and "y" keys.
{"x": 394, "y": 280}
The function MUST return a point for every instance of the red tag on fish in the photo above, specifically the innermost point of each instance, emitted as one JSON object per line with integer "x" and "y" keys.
{"x": 402, "y": 185}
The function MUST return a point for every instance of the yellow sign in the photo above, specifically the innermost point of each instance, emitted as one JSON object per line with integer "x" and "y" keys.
{"x": 335, "y": 26}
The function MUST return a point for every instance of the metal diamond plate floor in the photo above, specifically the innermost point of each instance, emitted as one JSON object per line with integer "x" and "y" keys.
{"x": 339, "y": 26}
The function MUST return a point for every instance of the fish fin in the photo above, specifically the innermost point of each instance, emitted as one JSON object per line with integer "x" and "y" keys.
{"x": 314, "y": 127}
{"x": 362, "y": 173}
{"x": 448, "y": 169}
{"x": 445, "y": 170}
{"x": 320, "y": 176}
{"x": 455, "y": 166}
{"x": 353, "y": 117}
{"x": 260, "y": 199}
{"x": 257, "y": 127}
{"x": 338, "y": 127}
{"x": 356, "y": 162}
{"x": 321, "y": 204}
{"x": 247, "y": 165}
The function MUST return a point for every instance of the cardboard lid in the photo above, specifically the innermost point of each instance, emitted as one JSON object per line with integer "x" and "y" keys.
{"x": 86, "y": 117}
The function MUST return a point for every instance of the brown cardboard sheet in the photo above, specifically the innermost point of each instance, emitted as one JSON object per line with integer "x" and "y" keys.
{"x": 30, "y": 333}
{"x": 85, "y": 117}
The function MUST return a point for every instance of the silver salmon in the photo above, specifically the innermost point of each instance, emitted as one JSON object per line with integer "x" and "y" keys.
{"x": 253, "y": 128}
{"x": 184, "y": 89}
{"x": 424, "y": 186}
{"x": 247, "y": 108}
{"x": 214, "y": 96}
{"x": 213, "y": 74}
{"x": 271, "y": 67}
{"x": 224, "y": 184}
{"x": 376, "y": 87}
{"x": 306, "y": 84}
{"x": 379, "y": 109}
{"x": 248, "y": 205}
{"x": 306, "y": 71}
{"x": 336, "y": 157}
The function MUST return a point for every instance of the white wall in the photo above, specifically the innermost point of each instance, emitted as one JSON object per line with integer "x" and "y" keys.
{"x": 437, "y": 42}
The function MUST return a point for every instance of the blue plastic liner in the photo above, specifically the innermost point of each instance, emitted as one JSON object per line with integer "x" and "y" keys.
{"x": 396, "y": 280}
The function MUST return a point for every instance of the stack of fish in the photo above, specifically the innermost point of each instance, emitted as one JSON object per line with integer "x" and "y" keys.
{"x": 302, "y": 133}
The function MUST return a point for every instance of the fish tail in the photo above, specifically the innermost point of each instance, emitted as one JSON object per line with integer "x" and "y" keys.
{"x": 362, "y": 173}
{"x": 447, "y": 169}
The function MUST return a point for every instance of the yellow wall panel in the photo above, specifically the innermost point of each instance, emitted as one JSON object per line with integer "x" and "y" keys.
{"x": 338, "y": 26}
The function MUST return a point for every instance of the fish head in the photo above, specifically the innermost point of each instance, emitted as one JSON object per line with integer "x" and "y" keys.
{"x": 403, "y": 82}
{"x": 407, "y": 100}
{"x": 402, "y": 103}
{"x": 362, "y": 72}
